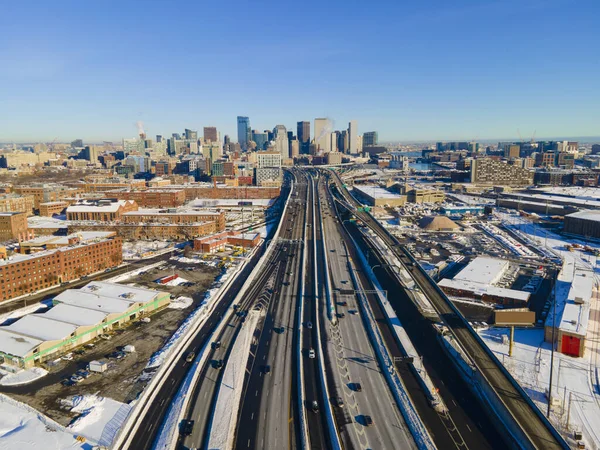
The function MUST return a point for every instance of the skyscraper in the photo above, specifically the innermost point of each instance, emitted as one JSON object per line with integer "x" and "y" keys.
{"x": 342, "y": 143}
{"x": 370, "y": 138}
{"x": 210, "y": 134}
{"x": 226, "y": 139}
{"x": 323, "y": 134}
{"x": 159, "y": 138}
{"x": 191, "y": 135}
{"x": 260, "y": 138}
{"x": 281, "y": 141}
{"x": 294, "y": 148}
{"x": 244, "y": 132}
{"x": 353, "y": 137}
{"x": 303, "y": 132}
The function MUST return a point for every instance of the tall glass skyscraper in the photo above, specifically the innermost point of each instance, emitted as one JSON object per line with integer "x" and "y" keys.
{"x": 244, "y": 132}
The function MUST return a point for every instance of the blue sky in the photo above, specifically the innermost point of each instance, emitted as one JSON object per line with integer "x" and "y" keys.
{"x": 430, "y": 69}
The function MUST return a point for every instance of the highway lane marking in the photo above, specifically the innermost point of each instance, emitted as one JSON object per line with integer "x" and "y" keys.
{"x": 468, "y": 427}
{"x": 454, "y": 402}
{"x": 252, "y": 416}
{"x": 256, "y": 393}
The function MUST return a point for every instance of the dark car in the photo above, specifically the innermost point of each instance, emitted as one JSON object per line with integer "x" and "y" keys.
{"x": 314, "y": 406}
{"x": 368, "y": 420}
{"x": 67, "y": 382}
{"x": 216, "y": 344}
{"x": 218, "y": 363}
{"x": 267, "y": 369}
{"x": 83, "y": 373}
{"x": 339, "y": 402}
{"x": 187, "y": 426}
{"x": 356, "y": 387}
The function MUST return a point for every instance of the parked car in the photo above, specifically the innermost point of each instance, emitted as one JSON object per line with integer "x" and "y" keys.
{"x": 76, "y": 378}
{"x": 67, "y": 382}
{"x": 67, "y": 357}
{"x": 106, "y": 337}
{"x": 79, "y": 351}
{"x": 83, "y": 373}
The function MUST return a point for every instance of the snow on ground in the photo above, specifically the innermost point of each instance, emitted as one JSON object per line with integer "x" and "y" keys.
{"x": 100, "y": 418}
{"x": 17, "y": 313}
{"x": 158, "y": 357}
{"x": 133, "y": 273}
{"x": 144, "y": 249}
{"x": 181, "y": 303}
{"x": 196, "y": 260}
{"x": 530, "y": 365}
{"x": 21, "y": 377}
{"x": 24, "y": 428}
{"x": 230, "y": 389}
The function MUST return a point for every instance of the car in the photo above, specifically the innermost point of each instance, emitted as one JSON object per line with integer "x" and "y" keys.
{"x": 90, "y": 345}
{"x": 308, "y": 324}
{"x": 314, "y": 406}
{"x": 120, "y": 355}
{"x": 216, "y": 344}
{"x": 311, "y": 353}
{"x": 344, "y": 303}
{"x": 218, "y": 363}
{"x": 368, "y": 420}
{"x": 83, "y": 373}
{"x": 356, "y": 387}
{"x": 340, "y": 315}
{"x": 352, "y": 311}
{"x": 267, "y": 369}
{"x": 67, "y": 357}
{"x": 76, "y": 378}
{"x": 67, "y": 382}
{"x": 190, "y": 357}
{"x": 187, "y": 426}
{"x": 79, "y": 351}
{"x": 339, "y": 402}
{"x": 106, "y": 337}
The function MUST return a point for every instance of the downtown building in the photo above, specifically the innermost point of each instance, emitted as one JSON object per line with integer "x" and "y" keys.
{"x": 488, "y": 171}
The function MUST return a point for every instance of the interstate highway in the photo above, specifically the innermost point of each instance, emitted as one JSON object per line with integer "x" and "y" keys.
{"x": 539, "y": 432}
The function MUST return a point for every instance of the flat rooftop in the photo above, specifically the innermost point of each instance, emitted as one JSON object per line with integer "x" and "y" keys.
{"x": 17, "y": 344}
{"x": 485, "y": 289}
{"x": 376, "y": 192}
{"x": 586, "y": 214}
{"x": 84, "y": 236}
{"x": 482, "y": 270}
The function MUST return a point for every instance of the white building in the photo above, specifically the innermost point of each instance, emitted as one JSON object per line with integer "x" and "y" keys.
{"x": 323, "y": 135}
{"x": 268, "y": 159}
{"x": 353, "y": 137}
{"x": 281, "y": 141}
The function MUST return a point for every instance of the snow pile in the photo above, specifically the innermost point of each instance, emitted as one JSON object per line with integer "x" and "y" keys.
{"x": 144, "y": 249}
{"x": 158, "y": 357}
{"x": 100, "y": 417}
{"x": 22, "y": 377}
{"x": 228, "y": 398}
{"x": 181, "y": 303}
{"x": 175, "y": 281}
{"x": 22, "y": 427}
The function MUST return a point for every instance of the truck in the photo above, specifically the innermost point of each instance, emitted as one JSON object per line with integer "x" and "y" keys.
{"x": 98, "y": 366}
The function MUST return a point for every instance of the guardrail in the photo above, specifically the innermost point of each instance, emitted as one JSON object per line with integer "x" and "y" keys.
{"x": 133, "y": 422}
{"x": 333, "y": 434}
{"x": 304, "y": 439}
{"x": 411, "y": 417}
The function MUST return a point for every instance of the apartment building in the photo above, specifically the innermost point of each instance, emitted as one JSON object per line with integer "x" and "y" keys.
{"x": 148, "y": 231}
{"x": 15, "y": 202}
{"x": 488, "y": 171}
{"x": 101, "y": 210}
{"x": 172, "y": 216}
{"x": 152, "y": 198}
{"x": 49, "y": 209}
{"x": 13, "y": 225}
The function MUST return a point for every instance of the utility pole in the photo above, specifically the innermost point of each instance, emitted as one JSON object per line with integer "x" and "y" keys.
{"x": 569, "y": 410}
{"x": 512, "y": 340}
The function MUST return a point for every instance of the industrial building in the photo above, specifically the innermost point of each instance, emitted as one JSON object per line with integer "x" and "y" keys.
{"x": 217, "y": 242}
{"x": 583, "y": 223}
{"x": 477, "y": 280}
{"x": 77, "y": 317}
{"x": 377, "y": 196}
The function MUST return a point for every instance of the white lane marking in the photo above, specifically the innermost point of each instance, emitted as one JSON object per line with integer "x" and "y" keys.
{"x": 468, "y": 427}
{"x": 252, "y": 416}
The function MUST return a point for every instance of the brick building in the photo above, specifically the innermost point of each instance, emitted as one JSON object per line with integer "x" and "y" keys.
{"x": 148, "y": 231}
{"x": 24, "y": 274}
{"x": 174, "y": 217}
{"x": 152, "y": 198}
{"x": 101, "y": 210}
{"x": 13, "y": 225}
{"x": 217, "y": 242}
{"x": 48, "y": 192}
{"x": 16, "y": 203}
{"x": 49, "y": 209}
{"x": 241, "y": 192}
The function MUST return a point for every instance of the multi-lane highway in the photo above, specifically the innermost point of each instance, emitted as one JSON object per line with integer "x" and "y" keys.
{"x": 351, "y": 357}
{"x": 536, "y": 429}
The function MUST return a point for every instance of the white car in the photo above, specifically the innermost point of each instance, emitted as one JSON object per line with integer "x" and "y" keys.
{"x": 67, "y": 357}
{"x": 311, "y": 353}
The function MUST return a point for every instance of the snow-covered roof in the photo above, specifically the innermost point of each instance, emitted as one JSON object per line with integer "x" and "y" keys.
{"x": 112, "y": 206}
{"x": 145, "y": 212}
{"x": 16, "y": 344}
{"x": 376, "y": 192}
{"x": 64, "y": 240}
{"x": 40, "y": 327}
{"x": 46, "y": 222}
{"x": 485, "y": 289}
{"x": 120, "y": 291}
{"x": 75, "y": 315}
{"x": 483, "y": 270}
{"x": 107, "y": 305}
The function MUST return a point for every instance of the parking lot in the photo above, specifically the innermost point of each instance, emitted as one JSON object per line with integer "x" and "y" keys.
{"x": 125, "y": 376}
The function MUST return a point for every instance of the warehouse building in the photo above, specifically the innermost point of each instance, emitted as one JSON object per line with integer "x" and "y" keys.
{"x": 377, "y": 196}
{"x": 78, "y": 317}
{"x": 583, "y": 223}
{"x": 100, "y": 210}
{"x": 477, "y": 280}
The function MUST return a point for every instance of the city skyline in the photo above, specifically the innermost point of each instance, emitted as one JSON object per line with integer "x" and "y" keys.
{"x": 430, "y": 81}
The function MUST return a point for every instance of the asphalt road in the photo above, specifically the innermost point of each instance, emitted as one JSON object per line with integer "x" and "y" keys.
{"x": 145, "y": 435}
{"x": 353, "y": 359}
{"x": 540, "y": 434}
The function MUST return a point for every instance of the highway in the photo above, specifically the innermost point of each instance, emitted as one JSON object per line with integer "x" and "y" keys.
{"x": 351, "y": 358}
{"x": 269, "y": 408}
{"x": 539, "y": 432}
{"x": 313, "y": 301}
{"x": 145, "y": 435}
